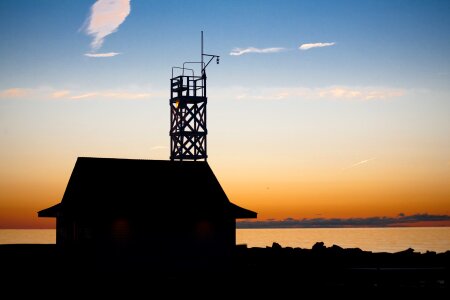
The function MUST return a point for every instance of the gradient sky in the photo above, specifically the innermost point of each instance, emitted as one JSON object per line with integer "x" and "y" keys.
{"x": 330, "y": 109}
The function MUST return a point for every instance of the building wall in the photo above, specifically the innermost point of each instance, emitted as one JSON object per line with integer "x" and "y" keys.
{"x": 136, "y": 243}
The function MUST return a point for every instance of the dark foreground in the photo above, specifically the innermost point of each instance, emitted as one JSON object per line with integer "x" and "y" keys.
{"x": 270, "y": 271}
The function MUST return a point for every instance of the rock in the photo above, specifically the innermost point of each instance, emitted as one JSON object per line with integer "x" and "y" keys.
{"x": 408, "y": 251}
{"x": 336, "y": 249}
{"x": 318, "y": 246}
{"x": 276, "y": 246}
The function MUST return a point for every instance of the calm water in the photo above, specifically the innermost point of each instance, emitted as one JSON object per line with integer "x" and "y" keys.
{"x": 27, "y": 236}
{"x": 420, "y": 239}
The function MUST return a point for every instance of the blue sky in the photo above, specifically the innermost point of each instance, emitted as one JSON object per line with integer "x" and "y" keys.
{"x": 408, "y": 38}
{"x": 375, "y": 96}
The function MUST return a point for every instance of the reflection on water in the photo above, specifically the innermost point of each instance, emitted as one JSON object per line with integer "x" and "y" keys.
{"x": 420, "y": 239}
{"x": 27, "y": 236}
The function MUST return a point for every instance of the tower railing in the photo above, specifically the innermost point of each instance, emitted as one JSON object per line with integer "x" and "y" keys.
{"x": 188, "y": 116}
{"x": 187, "y": 85}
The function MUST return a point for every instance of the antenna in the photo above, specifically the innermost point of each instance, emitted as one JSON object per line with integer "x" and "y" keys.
{"x": 202, "y": 52}
{"x": 212, "y": 56}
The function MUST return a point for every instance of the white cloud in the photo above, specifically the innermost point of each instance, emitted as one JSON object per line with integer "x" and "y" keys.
{"x": 240, "y": 51}
{"x": 113, "y": 95}
{"x": 342, "y": 93}
{"x": 105, "y": 18}
{"x": 83, "y": 96}
{"x": 315, "y": 45}
{"x": 109, "y": 54}
{"x": 14, "y": 93}
{"x": 60, "y": 94}
{"x": 359, "y": 163}
{"x": 45, "y": 93}
{"x": 126, "y": 95}
{"x": 358, "y": 93}
{"x": 158, "y": 148}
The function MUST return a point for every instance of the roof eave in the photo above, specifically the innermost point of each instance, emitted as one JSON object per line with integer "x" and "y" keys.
{"x": 50, "y": 212}
{"x": 242, "y": 213}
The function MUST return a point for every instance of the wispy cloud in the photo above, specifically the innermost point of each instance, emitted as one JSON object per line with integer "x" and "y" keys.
{"x": 334, "y": 93}
{"x": 399, "y": 220}
{"x": 113, "y": 95}
{"x": 109, "y": 54}
{"x": 60, "y": 94}
{"x": 367, "y": 93}
{"x": 105, "y": 18}
{"x": 343, "y": 93}
{"x": 84, "y": 96}
{"x": 315, "y": 45}
{"x": 362, "y": 162}
{"x": 158, "y": 148}
{"x": 43, "y": 93}
{"x": 14, "y": 93}
{"x": 242, "y": 51}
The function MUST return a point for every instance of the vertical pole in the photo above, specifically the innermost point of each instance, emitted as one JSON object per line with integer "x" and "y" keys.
{"x": 202, "y": 53}
{"x": 203, "y": 95}
{"x": 206, "y": 154}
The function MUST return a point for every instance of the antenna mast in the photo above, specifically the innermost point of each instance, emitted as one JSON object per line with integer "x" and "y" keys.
{"x": 202, "y": 53}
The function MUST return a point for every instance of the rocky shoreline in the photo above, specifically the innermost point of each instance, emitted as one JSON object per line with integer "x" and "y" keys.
{"x": 255, "y": 270}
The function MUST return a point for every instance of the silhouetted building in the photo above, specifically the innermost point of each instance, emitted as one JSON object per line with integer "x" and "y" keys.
{"x": 134, "y": 213}
{"x": 147, "y": 212}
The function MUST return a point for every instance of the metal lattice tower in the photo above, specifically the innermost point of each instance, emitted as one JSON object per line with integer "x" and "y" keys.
{"x": 188, "y": 111}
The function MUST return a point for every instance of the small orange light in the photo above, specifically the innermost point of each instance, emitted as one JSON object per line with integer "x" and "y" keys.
{"x": 177, "y": 103}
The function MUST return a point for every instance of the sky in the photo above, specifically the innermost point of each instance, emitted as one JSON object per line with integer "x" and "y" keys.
{"x": 318, "y": 110}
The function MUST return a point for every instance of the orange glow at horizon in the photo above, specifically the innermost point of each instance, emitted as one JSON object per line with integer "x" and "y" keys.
{"x": 329, "y": 192}
{"x": 274, "y": 193}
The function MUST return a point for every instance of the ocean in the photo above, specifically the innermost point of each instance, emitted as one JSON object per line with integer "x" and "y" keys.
{"x": 421, "y": 239}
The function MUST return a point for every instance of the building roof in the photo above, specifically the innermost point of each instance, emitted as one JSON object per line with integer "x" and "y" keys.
{"x": 150, "y": 188}
{"x": 50, "y": 212}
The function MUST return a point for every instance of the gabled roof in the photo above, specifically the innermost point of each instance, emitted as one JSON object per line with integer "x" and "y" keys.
{"x": 151, "y": 188}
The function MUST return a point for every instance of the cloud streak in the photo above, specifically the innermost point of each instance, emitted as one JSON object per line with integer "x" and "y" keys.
{"x": 369, "y": 93}
{"x": 84, "y": 96}
{"x": 45, "y": 93}
{"x": 359, "y": 163}
{"x": 14, "y": 93}
{"x": 341, "y": 93}
{"x": 105, "y": 18}
{"x": 334, "y": 93}
{"x": 95, "y": 55}
{"x": 60, "y": 94}
{"x": 242, "y": 51}
{"x": 112, "y": 95}
{"x": 315, "y": 45}
{"x": 158, "y": 148}
{"x": 400, "y": 220}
